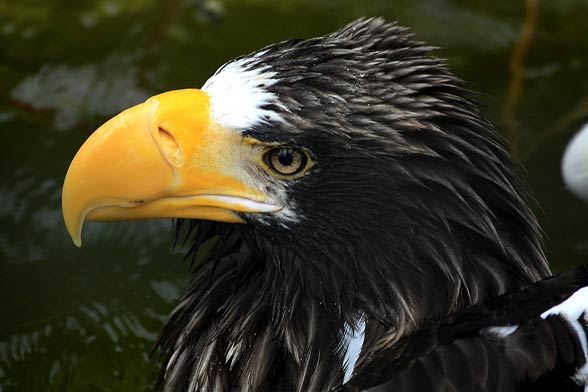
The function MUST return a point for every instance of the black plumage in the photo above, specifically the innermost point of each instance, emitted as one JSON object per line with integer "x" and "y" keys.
{"x": 413, "y": 211}
{"x": 460, "y": 352}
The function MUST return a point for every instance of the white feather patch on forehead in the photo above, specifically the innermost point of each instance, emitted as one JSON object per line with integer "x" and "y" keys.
{"x": 238, "y": 92}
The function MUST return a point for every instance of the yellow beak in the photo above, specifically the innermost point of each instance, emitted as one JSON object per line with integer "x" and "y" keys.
{"x": 164, "y": 158}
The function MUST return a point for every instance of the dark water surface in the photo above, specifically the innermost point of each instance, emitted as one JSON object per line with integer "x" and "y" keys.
{"x": 85, "y": 319}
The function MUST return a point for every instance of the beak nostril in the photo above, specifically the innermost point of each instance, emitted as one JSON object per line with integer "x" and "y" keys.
{"x": 170, "y": 148}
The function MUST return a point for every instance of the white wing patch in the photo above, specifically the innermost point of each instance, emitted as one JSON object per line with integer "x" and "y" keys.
{"x": 353, "y": 340}
{"x": 501, "y": 332}
{"x": 572, "y": 309}
{"x": 238, "y": 91}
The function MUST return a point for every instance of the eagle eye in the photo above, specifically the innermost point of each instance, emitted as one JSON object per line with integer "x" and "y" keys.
{"x": 286, "y": 162}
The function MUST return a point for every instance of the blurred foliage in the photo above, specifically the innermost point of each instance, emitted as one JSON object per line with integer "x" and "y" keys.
{"x": 86, "y": 319}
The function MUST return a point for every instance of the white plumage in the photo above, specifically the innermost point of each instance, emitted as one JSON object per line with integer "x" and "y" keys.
{"x": 574, "y": 165}
{"x": 238, "y": 92}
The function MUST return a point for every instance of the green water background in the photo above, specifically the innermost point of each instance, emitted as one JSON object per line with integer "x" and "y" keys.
{"x": 85, "y": 319}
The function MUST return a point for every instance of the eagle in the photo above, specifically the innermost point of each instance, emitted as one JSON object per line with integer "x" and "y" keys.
{"x": 360, "y": 223}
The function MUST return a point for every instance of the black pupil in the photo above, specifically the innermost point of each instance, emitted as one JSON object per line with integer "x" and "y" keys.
{"x": 285, "y": 157}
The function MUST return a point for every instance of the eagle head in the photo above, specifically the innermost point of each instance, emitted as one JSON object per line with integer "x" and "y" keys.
{"x": 347, "y": 178}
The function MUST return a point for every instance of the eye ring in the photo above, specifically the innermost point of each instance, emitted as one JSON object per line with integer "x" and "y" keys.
{"x": 286, "y": 162}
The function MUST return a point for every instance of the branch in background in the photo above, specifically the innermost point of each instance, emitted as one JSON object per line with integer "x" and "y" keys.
{"x": 516, "y": 67}
{"x": 563, "y": 124}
